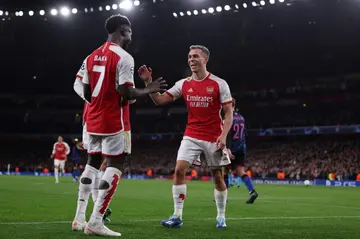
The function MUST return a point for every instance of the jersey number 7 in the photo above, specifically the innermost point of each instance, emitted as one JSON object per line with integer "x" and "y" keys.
{"x": 101, "y": 70}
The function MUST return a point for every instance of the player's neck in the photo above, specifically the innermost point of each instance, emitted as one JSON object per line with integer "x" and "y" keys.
{"x": 201, "y": 75}
{"x": 115, "y": 41}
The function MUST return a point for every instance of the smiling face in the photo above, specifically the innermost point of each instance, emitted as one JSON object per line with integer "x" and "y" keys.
{"x": 197, "y": 60}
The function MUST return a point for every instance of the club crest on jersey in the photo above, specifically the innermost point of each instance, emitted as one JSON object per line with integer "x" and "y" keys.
{"x": 210, "y": 89}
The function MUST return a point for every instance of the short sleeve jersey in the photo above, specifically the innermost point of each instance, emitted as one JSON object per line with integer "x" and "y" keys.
{"x": 106, "y": 68}
{"x": 204, "y": 100}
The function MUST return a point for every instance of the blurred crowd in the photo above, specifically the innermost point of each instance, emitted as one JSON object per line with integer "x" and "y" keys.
{"x": 299, "y": 158}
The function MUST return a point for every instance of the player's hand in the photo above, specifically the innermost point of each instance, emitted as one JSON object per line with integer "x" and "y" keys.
{"x": 232, "y": 157}
{"x": 157, "y": 85}
{"x": 145, "y": 73}
{"x": 221, "y": 142}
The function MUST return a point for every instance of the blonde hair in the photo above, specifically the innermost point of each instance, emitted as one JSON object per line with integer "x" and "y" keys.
{"x": 204, "y": 49}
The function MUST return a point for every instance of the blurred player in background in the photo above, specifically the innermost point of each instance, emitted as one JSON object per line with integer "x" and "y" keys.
{"x": 237, "y": 152}
{"x": 205, "y": 95}
{"x": 76, "y": 158}
{"x": 60, "y": 151}
{"x": 108, "y": 78}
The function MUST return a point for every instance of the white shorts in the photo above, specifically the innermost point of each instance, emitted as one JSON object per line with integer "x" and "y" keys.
{"x": 191, "y": 149}
{"x": 85, "y": 137}
{"x": 107, "y": 145}
{"x": 59, "y": 163}
{"x": 127, "y": 141}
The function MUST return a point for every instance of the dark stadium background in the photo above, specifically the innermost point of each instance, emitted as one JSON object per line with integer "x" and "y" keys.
{"x": 290, "y": 64}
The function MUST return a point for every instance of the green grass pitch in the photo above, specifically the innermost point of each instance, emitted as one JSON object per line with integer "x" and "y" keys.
{"x": 36, "y": 207}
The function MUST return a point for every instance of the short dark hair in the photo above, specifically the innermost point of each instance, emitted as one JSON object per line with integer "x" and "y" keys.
{"x": 204, "y": 49}
{"x": 115, "y": 21}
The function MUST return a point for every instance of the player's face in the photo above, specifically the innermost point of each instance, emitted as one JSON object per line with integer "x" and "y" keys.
{"x": 60, "y": 139}
{"x": 127, "y": 35}
{"x": 197, "y": 60}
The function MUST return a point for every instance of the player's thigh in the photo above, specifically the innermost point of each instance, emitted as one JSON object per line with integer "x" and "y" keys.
{"x": 127, "y": 141}
{"x": 95, "y": 144}
{"x": 85, "y": 137}
{"x": 213, "y": 156}
{"x": 113, "y": 145}
{"x": 56, "y": 163}
{"x": 189, "y": 150}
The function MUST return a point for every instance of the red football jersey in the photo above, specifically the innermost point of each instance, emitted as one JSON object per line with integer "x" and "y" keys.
{"x": 204, "y": 100}
{"x": 105, "y": 69}
{"x": 60, "y": 150}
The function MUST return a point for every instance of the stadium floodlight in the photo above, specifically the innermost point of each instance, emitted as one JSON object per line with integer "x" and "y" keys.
{"x": 6, "y": 13}
{"x": 31, "y": 13}
{"x": 107, "y": 8}
{"x": 100, "y": 9}
{"x": 218, "y": 9}
{"x": 86, "y": 10}
{"x": 272, "y": 1}
{"x": 21, "y": 13}
{"x": 136, "y": 2}
{"x": 254, "y": 4}
{"x": 1, "y": 13}
{"x": 195, "y": 12}
{"x": 127, "y": 4}
{"x": 114, "y": 6}
{"x": 262, "y": 2}
{"x": 54, "y": 12}
{"x": 42, "y": 12}
{"x": 203, "y": 11}
{"x": 227, "y": 8}
{"x": 281, "y": 0}
{"x": 65, "y": 11}
{"x": 181, "y": 14}
{"x": 16, "y": 14}
{"x": 74, "y": 11}
{"x": 236, "y": 6}
{"x": 244, "y": 5}
{"x": 91, "y": 9}
{"x": 188, "y": 13}
{"x": 211, "y": 10}
{"x": 175, "y": 14}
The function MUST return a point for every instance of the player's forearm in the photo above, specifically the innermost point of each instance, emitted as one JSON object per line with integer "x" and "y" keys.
{"x": 155, "y": 97}
{"x": 227, "y": 123}
{"x": 136, "y": 93}
{"x": 79, "y": 88}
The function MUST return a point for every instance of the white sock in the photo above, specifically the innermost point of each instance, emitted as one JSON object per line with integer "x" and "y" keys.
{"x": 179, "y": 194}
{"x": 56, "y": 172}
{"x": 95, "y": 189}
{"x": 84, "y": 192}
{"x": 112, "y": 177}
{"x": 220, "y": 199}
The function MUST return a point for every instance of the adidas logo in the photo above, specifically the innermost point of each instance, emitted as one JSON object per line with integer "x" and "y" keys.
{"x": 190, "y": 90}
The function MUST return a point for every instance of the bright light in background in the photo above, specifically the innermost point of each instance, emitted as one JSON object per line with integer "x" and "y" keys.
{"x": 218, "y": 8}
{"x": 54, "y": 12}
{"x": 254, "y": 4}
{"x": 236, "y": 6}
{"x": 21, "y": 13}
{"x": 181, "y": 14}
{"x": 203, "y": 11}
{"x": 74, "y": 10}
{"x": 114, "y": 6}
{"x": 136, "y": 2}
{"x": 174, "y": 14}
{"x": 227, "y": 8}
{"x": 245, "y": 5}
{"x": 195, "y": 12}
{"x": 65, "y": 11}
{"x": 91, "y": 9}
{"x": 100, "y": 8}
{"x": 85, "y": 10}
{"x": 211, "y": 10}
{"x": 272, "y": 1}
{"x": 31, "y": 13}
{"x": 16, "y": 14}
{"x": 1, "y": 13}
{"x": 127, "y": 5}
{"x": 107, "y": 8}
{"x": 281, "y": 0}
{"x": 188, "y": 13}
{"x": 6, "y": 13}
{"x": 42, "y": 12}
{"x": 262, "y": 2}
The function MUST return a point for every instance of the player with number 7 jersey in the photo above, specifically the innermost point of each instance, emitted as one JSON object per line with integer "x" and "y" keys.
{"x": 107, "y": 76}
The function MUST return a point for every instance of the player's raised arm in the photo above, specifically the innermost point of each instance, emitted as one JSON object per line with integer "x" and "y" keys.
{"x": 158, "y": 98}
{"x": 125, "y": 81}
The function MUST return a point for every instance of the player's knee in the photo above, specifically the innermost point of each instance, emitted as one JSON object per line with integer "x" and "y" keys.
{"x": 85, "y": 184}
{"x": 103, "y": 185}
{"x": 181, "y": 168}
{"x": 217, "y": 176}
